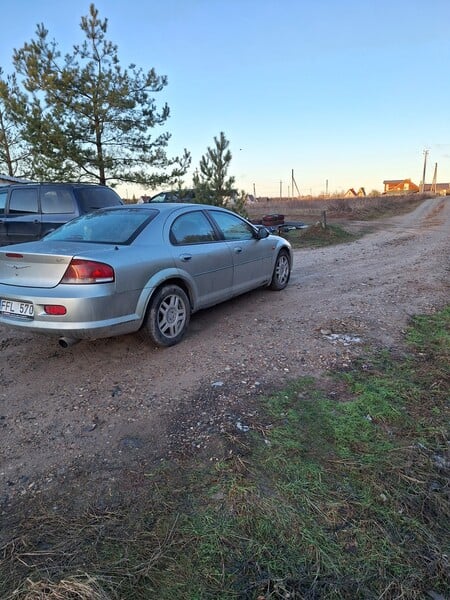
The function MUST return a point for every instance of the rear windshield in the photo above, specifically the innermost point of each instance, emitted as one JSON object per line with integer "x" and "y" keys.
{"x": 105, "y": 226}
{"x": 91, "y": 198}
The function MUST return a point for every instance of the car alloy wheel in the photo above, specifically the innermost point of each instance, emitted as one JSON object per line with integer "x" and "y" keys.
{"x": 168, "y": 316}
{"x": 281, "y": 272}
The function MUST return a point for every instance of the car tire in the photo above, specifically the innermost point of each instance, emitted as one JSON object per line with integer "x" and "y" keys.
{"x": 281, "y": 271}
{"x": 168, "y": 316}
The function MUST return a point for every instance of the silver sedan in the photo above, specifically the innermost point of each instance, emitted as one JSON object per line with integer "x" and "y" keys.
{"x": 132, "y": 267}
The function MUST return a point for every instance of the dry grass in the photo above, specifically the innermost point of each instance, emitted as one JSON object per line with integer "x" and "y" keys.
{"x": 72, "y": 588}
{"x": 350, "y": 208}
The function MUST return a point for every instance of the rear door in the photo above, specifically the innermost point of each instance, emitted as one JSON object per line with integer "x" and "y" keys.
{"x": 199, "y": 252}
{"x": 22, "y": 219}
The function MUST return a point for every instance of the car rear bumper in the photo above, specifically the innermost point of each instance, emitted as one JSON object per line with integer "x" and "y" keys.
{"x": 96, "y": 312}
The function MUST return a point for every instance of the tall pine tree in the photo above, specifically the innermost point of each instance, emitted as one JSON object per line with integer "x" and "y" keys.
{"x": 15, "y": 154}
{"x": 212, "y": 183}
{"x": 88, "y": 118}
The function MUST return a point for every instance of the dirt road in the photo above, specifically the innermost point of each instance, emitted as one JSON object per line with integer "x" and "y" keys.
{"x": 92, "y": 416}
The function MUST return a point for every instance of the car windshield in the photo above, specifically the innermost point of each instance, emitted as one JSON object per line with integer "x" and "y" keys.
{"x": 105, "y": 226}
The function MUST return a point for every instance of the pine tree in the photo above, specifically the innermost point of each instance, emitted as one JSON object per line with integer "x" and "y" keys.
{"x": 88, "y": 118}
{"x": 14, "y": 152}
{"x": 212, "y": 184}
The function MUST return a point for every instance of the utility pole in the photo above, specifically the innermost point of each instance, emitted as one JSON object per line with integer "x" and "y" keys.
{"x": 254, "y": 191}
{"x": 425, "y": 155}
{"x": 326, "y": 189}
{"x": 294, "y": 183}
{"x": 281, "y": 190}
{"x": 434, "y": 183}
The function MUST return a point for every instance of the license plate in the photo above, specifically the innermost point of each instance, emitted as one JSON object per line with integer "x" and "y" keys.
{"x": 17, "y": 309}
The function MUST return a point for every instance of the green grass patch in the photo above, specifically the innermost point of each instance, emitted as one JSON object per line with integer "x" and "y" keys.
{"x": 332, "y": 498}
{"x": 318, "y": 236}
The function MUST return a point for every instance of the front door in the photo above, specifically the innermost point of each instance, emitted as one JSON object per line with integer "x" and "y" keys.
{"x": 251, "y": 256}
{"x": 207, "y": 260}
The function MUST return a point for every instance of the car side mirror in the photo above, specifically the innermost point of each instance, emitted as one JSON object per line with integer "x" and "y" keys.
{"x": 261, "y": 233}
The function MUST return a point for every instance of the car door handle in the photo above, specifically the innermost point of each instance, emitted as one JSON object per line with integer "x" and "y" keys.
{"x": 186, "y": 257}
{"x": 238, "y": 249}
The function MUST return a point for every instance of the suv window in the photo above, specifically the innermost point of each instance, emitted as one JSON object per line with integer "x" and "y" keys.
{"x": 57, "y": 201}
{"x": 24, "y": 201}
{"x": 3, "y": 195}
{"x": 98, "y": 197}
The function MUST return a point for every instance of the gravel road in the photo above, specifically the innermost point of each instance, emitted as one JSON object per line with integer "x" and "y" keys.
{"x": 94, "y": 415}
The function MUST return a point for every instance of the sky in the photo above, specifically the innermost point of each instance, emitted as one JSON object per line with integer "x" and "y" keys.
{"x": 341, "y": 93}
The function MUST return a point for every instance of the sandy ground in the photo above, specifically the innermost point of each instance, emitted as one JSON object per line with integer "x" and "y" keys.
{"x": 90, "y": 418}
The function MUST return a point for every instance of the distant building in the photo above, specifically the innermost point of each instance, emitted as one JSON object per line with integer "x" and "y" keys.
{"x": 406, "y": 186}
{"x": 399, "y": 186}
{"x": 442, "y": 189}
{"x": 350, "y": 193}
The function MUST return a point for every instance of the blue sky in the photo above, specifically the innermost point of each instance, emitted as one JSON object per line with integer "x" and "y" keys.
{"x": 346, "y": 91}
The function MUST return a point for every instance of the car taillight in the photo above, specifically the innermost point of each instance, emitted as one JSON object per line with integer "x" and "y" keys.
{"x": 54, "y": 309}
{"x": 88, "y": 271}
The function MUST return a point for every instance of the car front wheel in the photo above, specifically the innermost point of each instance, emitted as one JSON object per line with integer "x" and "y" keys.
{"x": 281, "y": 271}
{"x": 168, "y": 316}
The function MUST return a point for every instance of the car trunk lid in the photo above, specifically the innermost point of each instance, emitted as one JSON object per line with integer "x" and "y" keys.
{"x": 44, "y": 267}
{"x": 32, "y": 270}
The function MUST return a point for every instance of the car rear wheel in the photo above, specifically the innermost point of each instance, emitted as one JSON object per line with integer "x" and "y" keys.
{"x": 168, "y": 316}
{"x": 281, "y": 271}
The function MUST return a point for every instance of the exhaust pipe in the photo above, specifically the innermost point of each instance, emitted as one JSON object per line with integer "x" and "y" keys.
{"x": 66, "y": 342}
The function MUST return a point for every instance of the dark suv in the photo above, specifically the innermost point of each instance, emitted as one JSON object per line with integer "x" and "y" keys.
{"x": 28, "y": 211}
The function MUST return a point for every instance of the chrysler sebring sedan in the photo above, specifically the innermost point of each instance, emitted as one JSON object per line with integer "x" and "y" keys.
{"x": 136, "y": 267}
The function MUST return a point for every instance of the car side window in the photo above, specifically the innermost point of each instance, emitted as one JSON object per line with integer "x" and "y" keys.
{"x": 57, "y": 201}
{"x": 192, "y": 228}
{"x": 24, "y": 201}
{"x": 159, "y": 197}
{"x": 3, "y": 196}
{"x": 232, "y": 227}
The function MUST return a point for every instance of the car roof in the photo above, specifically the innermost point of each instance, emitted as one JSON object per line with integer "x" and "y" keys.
{"x": 164, "y": 207}
{"x": 77, "y": 184}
